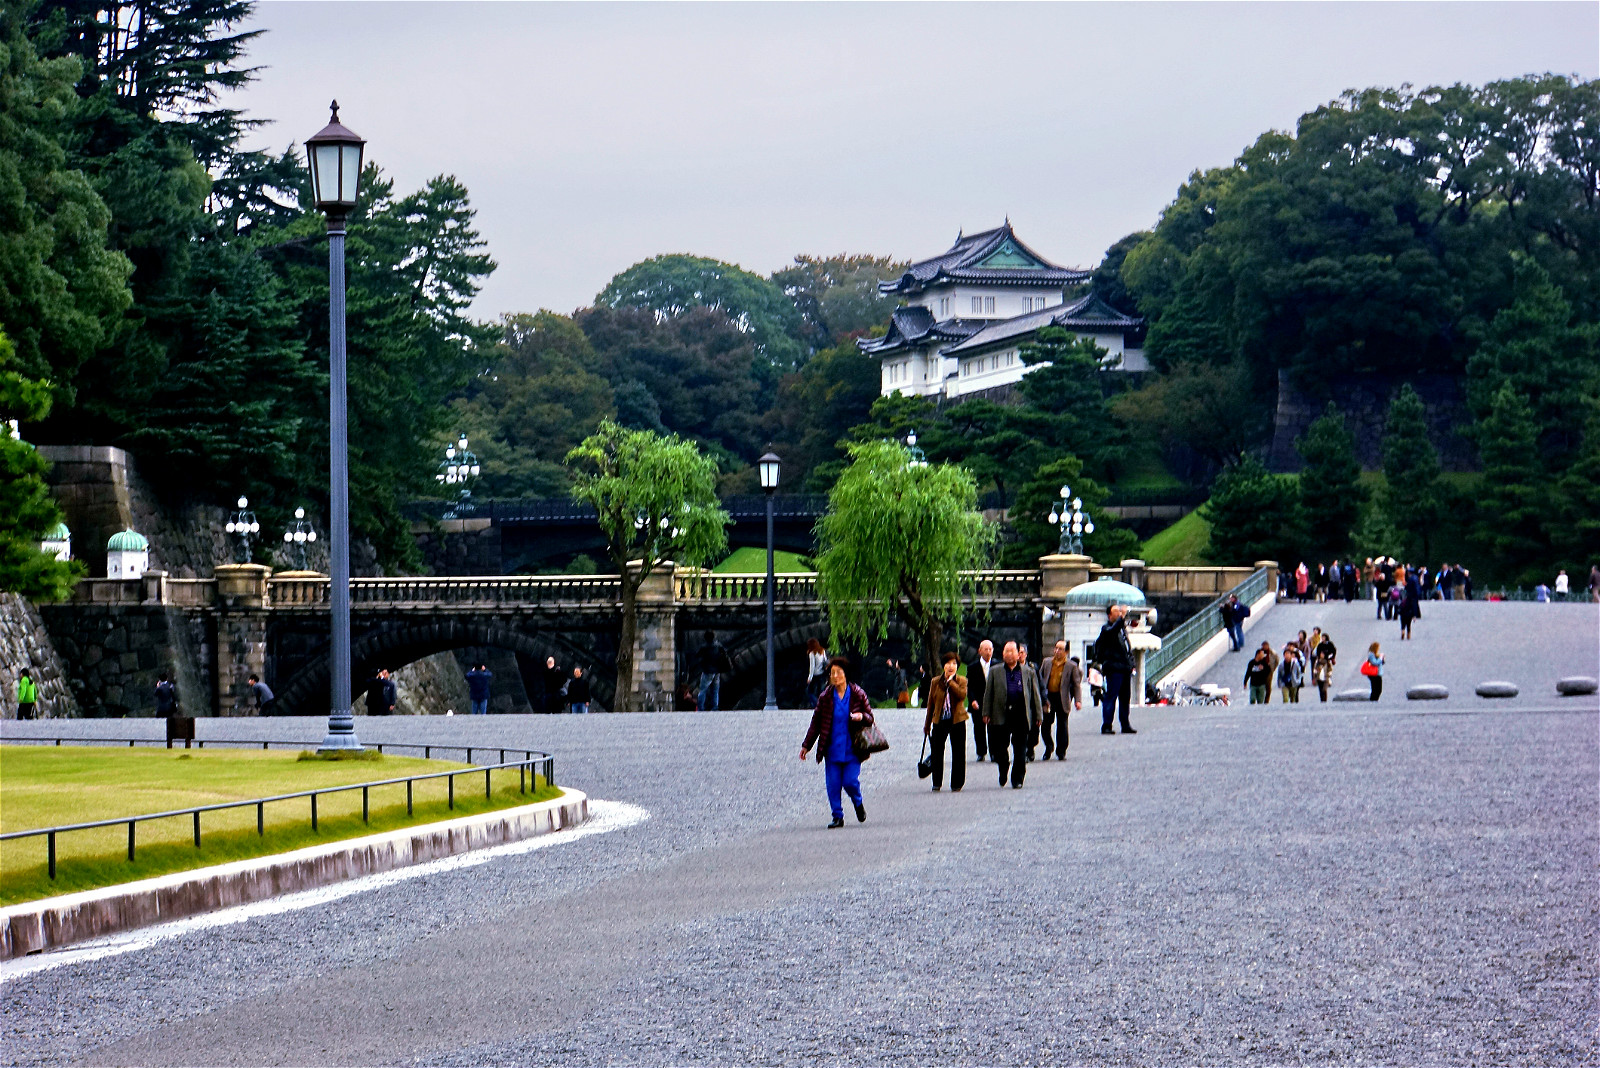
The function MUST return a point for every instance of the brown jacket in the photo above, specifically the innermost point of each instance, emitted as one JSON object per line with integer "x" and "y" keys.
{"x": 958, "y": 701}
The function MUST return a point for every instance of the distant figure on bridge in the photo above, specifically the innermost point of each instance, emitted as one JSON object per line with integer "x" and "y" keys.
{"x": 578, "y": 692}
{"x": 816, "y": 670}
{"x": 478, "y": 680}
{"x": 713, "y": 665}
{"x": 167, "y": 695}
{"x": 555, "y": 685}
{"x": 259, "y": 690}
{"x": 381, "y": 694}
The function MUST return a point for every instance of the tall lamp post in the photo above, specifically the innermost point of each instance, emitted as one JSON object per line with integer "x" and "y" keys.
{"x": 300, "y": 533}
{"x": 769, "y": 465}
{"x": 1074, "y": 523}
{"x": 459, "y": 467}
{"x": 335, "y": 158}
{"x": 243, "y": 525}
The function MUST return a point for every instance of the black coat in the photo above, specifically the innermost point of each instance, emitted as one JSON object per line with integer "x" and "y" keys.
{"x": 977, "y": 679}
{"x": 578, "y": 690}
{"x": 1112, "y": 648}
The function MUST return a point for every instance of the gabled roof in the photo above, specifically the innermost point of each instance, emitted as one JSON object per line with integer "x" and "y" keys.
{"x": 995, "y": 257}
{"x": 915, "y": 325}
{"x": 1089, "y": 315}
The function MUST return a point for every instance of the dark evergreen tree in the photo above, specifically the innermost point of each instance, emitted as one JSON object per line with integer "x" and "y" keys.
{"x": 27, "y": 511}
{"x": 1331, "y": 494}
{"x": 1411, "y": 499}
{"x": 1032, "y": 535}
{"x": 1514, "y": 502}
{"x": 1254, "y": 515}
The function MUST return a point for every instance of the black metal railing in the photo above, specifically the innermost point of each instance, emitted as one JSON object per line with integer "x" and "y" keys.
{"x": 530, "y": 768}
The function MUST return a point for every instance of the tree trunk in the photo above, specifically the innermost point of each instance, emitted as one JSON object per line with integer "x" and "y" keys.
{"x": 624, "y": 698}
{"x": 932, "y": 641}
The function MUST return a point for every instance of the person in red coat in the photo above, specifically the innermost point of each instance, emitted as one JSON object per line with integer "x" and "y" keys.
{"x": 842, "y": 710}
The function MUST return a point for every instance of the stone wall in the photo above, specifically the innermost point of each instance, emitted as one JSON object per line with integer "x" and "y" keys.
{"x": 25, "y": 643}
{"x": 1364, "y": 400}
{"x": 459, "y": 546}
{"x": 431, "y": 686}
{"x": 111, "y": 656}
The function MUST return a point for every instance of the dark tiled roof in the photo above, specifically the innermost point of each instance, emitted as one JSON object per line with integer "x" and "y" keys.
{"x": 915, "y": 325}
{"x": 961, "y": 264}
{"x": 1090, "y": 315}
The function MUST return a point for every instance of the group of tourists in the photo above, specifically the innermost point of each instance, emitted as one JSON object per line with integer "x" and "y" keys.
{"x": 1376, "y": 578}
{"x": 1011, "y": 703}
{"x": 1312, "y": 656}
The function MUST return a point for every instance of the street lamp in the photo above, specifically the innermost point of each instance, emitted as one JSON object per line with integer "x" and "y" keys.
{"x": 459, "y": 468}
{"x": 242, "y": 524}
{"x": 1074, "y": 523}
{"x": 298, "y": 536}
{"x": 918, "y": 457}
{"x": 334, "y": 155}
{"x": 769, "y": 465}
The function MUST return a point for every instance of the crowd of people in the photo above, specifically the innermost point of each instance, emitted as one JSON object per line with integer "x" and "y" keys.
{"x": 1312, "y": 656}
{"x": 1011, "y": 704}
{"x": 1376, "y": 579}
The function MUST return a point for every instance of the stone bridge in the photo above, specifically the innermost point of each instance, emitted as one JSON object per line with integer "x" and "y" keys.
{"x": 115, "y": 635}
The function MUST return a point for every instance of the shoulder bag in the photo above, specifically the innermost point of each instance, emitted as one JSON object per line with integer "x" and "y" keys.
{"x": 870, "y": 739}
{"x": 925, "y": 765}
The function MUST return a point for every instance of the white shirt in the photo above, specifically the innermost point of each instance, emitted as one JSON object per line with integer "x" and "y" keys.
{"x": 1561, "y": 582}
{"x": 818, "y": 664}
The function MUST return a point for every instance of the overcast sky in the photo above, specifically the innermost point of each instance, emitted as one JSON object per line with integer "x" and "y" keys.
{"x": 592, "y": 136}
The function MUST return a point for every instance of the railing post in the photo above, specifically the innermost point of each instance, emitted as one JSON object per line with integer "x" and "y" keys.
{"x": 52, "y": 841}
{"x": 261, "y": 819}
{"x": 313, "y": 812}
{"x": 452, "y": 780}
{"x": 197, "y": 829}
{"x": 364, "y": 809}
{"x": 486, "y": 794}
{"x": 131, "y": 825}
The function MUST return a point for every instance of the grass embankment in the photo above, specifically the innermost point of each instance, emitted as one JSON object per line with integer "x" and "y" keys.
{"x": 43, "y": 787}
{"x": 753, "y": 561}
{"x": 1183, "y": 544}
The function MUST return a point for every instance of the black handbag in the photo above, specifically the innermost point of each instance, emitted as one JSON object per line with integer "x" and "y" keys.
{"x": 925, "y": 765}
{"x": 868, "y": 740}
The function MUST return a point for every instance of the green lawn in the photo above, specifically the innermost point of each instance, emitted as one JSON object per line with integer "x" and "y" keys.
{"x": 751, "y": 561}
{"x": 1182, "y": 544}
{"x": 47, "y": 786}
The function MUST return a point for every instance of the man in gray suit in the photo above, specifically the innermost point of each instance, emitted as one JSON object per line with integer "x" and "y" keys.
{"x": 1012, "y": 709}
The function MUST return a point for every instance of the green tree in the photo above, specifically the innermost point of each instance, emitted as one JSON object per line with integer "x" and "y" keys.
{"x": 1035, "y": 536}
{"x": 63, "y": 291}
{"x": 1254, "y": 515}
{"x": 27, "y": 511}
{"x": 1574, "y": 528}
{"x": 898, "y": 543}
{"x": 1331, "y": 494}
{"x": 837, "y": 296}
{"x": 1065, "y": 388}
{"x": 675, "y": 284}
{"x": 657, "y": 501}
{"x": 538, "y": 398}
{"x": 1514, "y": 500}
{"x": 1213, "y": 409}
{"x": 836, "y": 388}
{"x": 1412, "y": 499}
{"x": 1375, "y": 536}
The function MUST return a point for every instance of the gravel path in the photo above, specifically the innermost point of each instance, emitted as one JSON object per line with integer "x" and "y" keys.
{"x": 1235, "y": 886}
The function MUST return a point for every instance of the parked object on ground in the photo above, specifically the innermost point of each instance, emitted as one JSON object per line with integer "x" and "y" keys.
{"x": 1427, "y": 692}
{"x": 1577, "y": 685}
{"x": 1497, "y": 689}
{"x": 1353, "y": 695}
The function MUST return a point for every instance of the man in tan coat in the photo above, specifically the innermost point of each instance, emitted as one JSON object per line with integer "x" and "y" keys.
{"x": 1012, "y": 708}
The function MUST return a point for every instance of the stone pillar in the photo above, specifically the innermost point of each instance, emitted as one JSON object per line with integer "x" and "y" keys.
{"x": 1133, "y": 573}
{"x": 1060, "y": 572}
{"x": 241, "y": 633}
{"x": 1272, "y": 573}
{"x": 655, "y": 643}
{"x": 155, "y": 587}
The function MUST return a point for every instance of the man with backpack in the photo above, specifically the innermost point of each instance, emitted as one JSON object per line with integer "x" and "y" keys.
{"x": 167, "y": 696}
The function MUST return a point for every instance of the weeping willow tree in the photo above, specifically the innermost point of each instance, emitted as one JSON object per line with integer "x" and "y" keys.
{"x": 657, "y": 499}
{"x": 899, "y": 541}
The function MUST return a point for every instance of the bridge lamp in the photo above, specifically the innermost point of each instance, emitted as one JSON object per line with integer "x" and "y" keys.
{"x": 770, "y": 466}
{"x": 242, "y": 524}
{"x": 334, "y": 156}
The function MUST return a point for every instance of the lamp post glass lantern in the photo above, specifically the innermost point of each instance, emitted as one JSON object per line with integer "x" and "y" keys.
{"x": 1074, "y": 523}
{"x": 300, "y": 534}
{"x": 334, "y": 156}
{"x": 459, "y": 467}
{"x": 242, "y": 525}
{"x": 770, "y": 467}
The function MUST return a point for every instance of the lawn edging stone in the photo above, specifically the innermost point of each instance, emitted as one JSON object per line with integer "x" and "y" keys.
{"x": 54, "y": 922}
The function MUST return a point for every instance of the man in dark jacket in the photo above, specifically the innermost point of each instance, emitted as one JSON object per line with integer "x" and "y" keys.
{"x": 1234, "y": 613}
{"x": 479, "y": 680}
{"x": 381, "y": 694}
{"x": 1116, "y": 663}
{"x": 1012, "y": 708}
{"x": 714, "y": 664}
{"x": 167, "y": 695}
{"x": 554, "y": 680}
{"x": 977, "y": 677}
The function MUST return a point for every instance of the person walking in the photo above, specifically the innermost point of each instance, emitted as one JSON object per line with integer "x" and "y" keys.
{"x": 816, "y": 670}
{"x": 1372, "y": 668}
{"x": 1322, "y": 584}
{"x": 167, "y": 695}
{"x": 842, "y": 710}
{"x": 478, "y": 686}
{"x": 578, "y": 692}
{"x": 1410, "y": 602}
{"x": 1323, "y": 659}
{"x": 1349, "y": 578}
{"x": 1272, "y": 670}
{"x": 1115, "y": 655}
{"x": 1011, "y": 706}
{"x": 1563, "y": 585}
{"x": 1291, "y": 674}
{"x": 1234, "y": 612}
{"x": 897, "y": 683}
{"x": 381, "y": 694}
{"x": 1258, "y": 677}
{"x": 555, "y": 685}
{"x": 27, "y": 695}
{"x": 947, "y": 722}
{"x": 1594, "y": 583}
{"x": 1056, "y": 672}
{"x": 977, "y": 679}
{"x": 1302, "y": 581}
{"x": 714, "y": 664}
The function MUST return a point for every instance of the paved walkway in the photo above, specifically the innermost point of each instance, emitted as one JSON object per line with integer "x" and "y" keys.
{"x": 1340, "y": 883}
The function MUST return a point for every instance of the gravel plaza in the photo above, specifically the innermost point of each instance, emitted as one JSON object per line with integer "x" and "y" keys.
{"x": 1400, "y": 883}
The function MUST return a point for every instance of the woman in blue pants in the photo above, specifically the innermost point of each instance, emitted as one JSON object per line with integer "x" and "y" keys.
{"x": 842, "y": 710}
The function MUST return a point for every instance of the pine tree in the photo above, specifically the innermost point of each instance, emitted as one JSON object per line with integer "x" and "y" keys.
{"x": 1411, "y": 500}
{"x": 1515, "y": 500}
{"x": 27, "y": 511}
{"x": 1331, "y": 495}
{"x": 1254, "y": 515}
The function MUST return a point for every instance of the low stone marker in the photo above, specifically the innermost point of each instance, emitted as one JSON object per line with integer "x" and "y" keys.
{"x": 1577, "y": 685}
{"x": 1430, "y": 691}
{"x": 1497, "y": 689}
{"x": 1353, "y": 695}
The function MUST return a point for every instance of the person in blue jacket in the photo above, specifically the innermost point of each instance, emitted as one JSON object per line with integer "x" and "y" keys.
{"x": 478, "y": 680}
{"x": 842, "y": 710}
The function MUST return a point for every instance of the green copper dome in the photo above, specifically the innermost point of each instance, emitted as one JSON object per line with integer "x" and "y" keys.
{"x": 59, "y": 532}
{"x": 127, "y": 541}
{"x": 1104, "y": 591}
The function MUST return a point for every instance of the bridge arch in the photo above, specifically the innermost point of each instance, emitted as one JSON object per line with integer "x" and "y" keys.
{"x": 392, "y": 647}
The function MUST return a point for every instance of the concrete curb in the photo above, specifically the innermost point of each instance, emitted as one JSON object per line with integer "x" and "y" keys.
{"x": 54, "y": 922}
